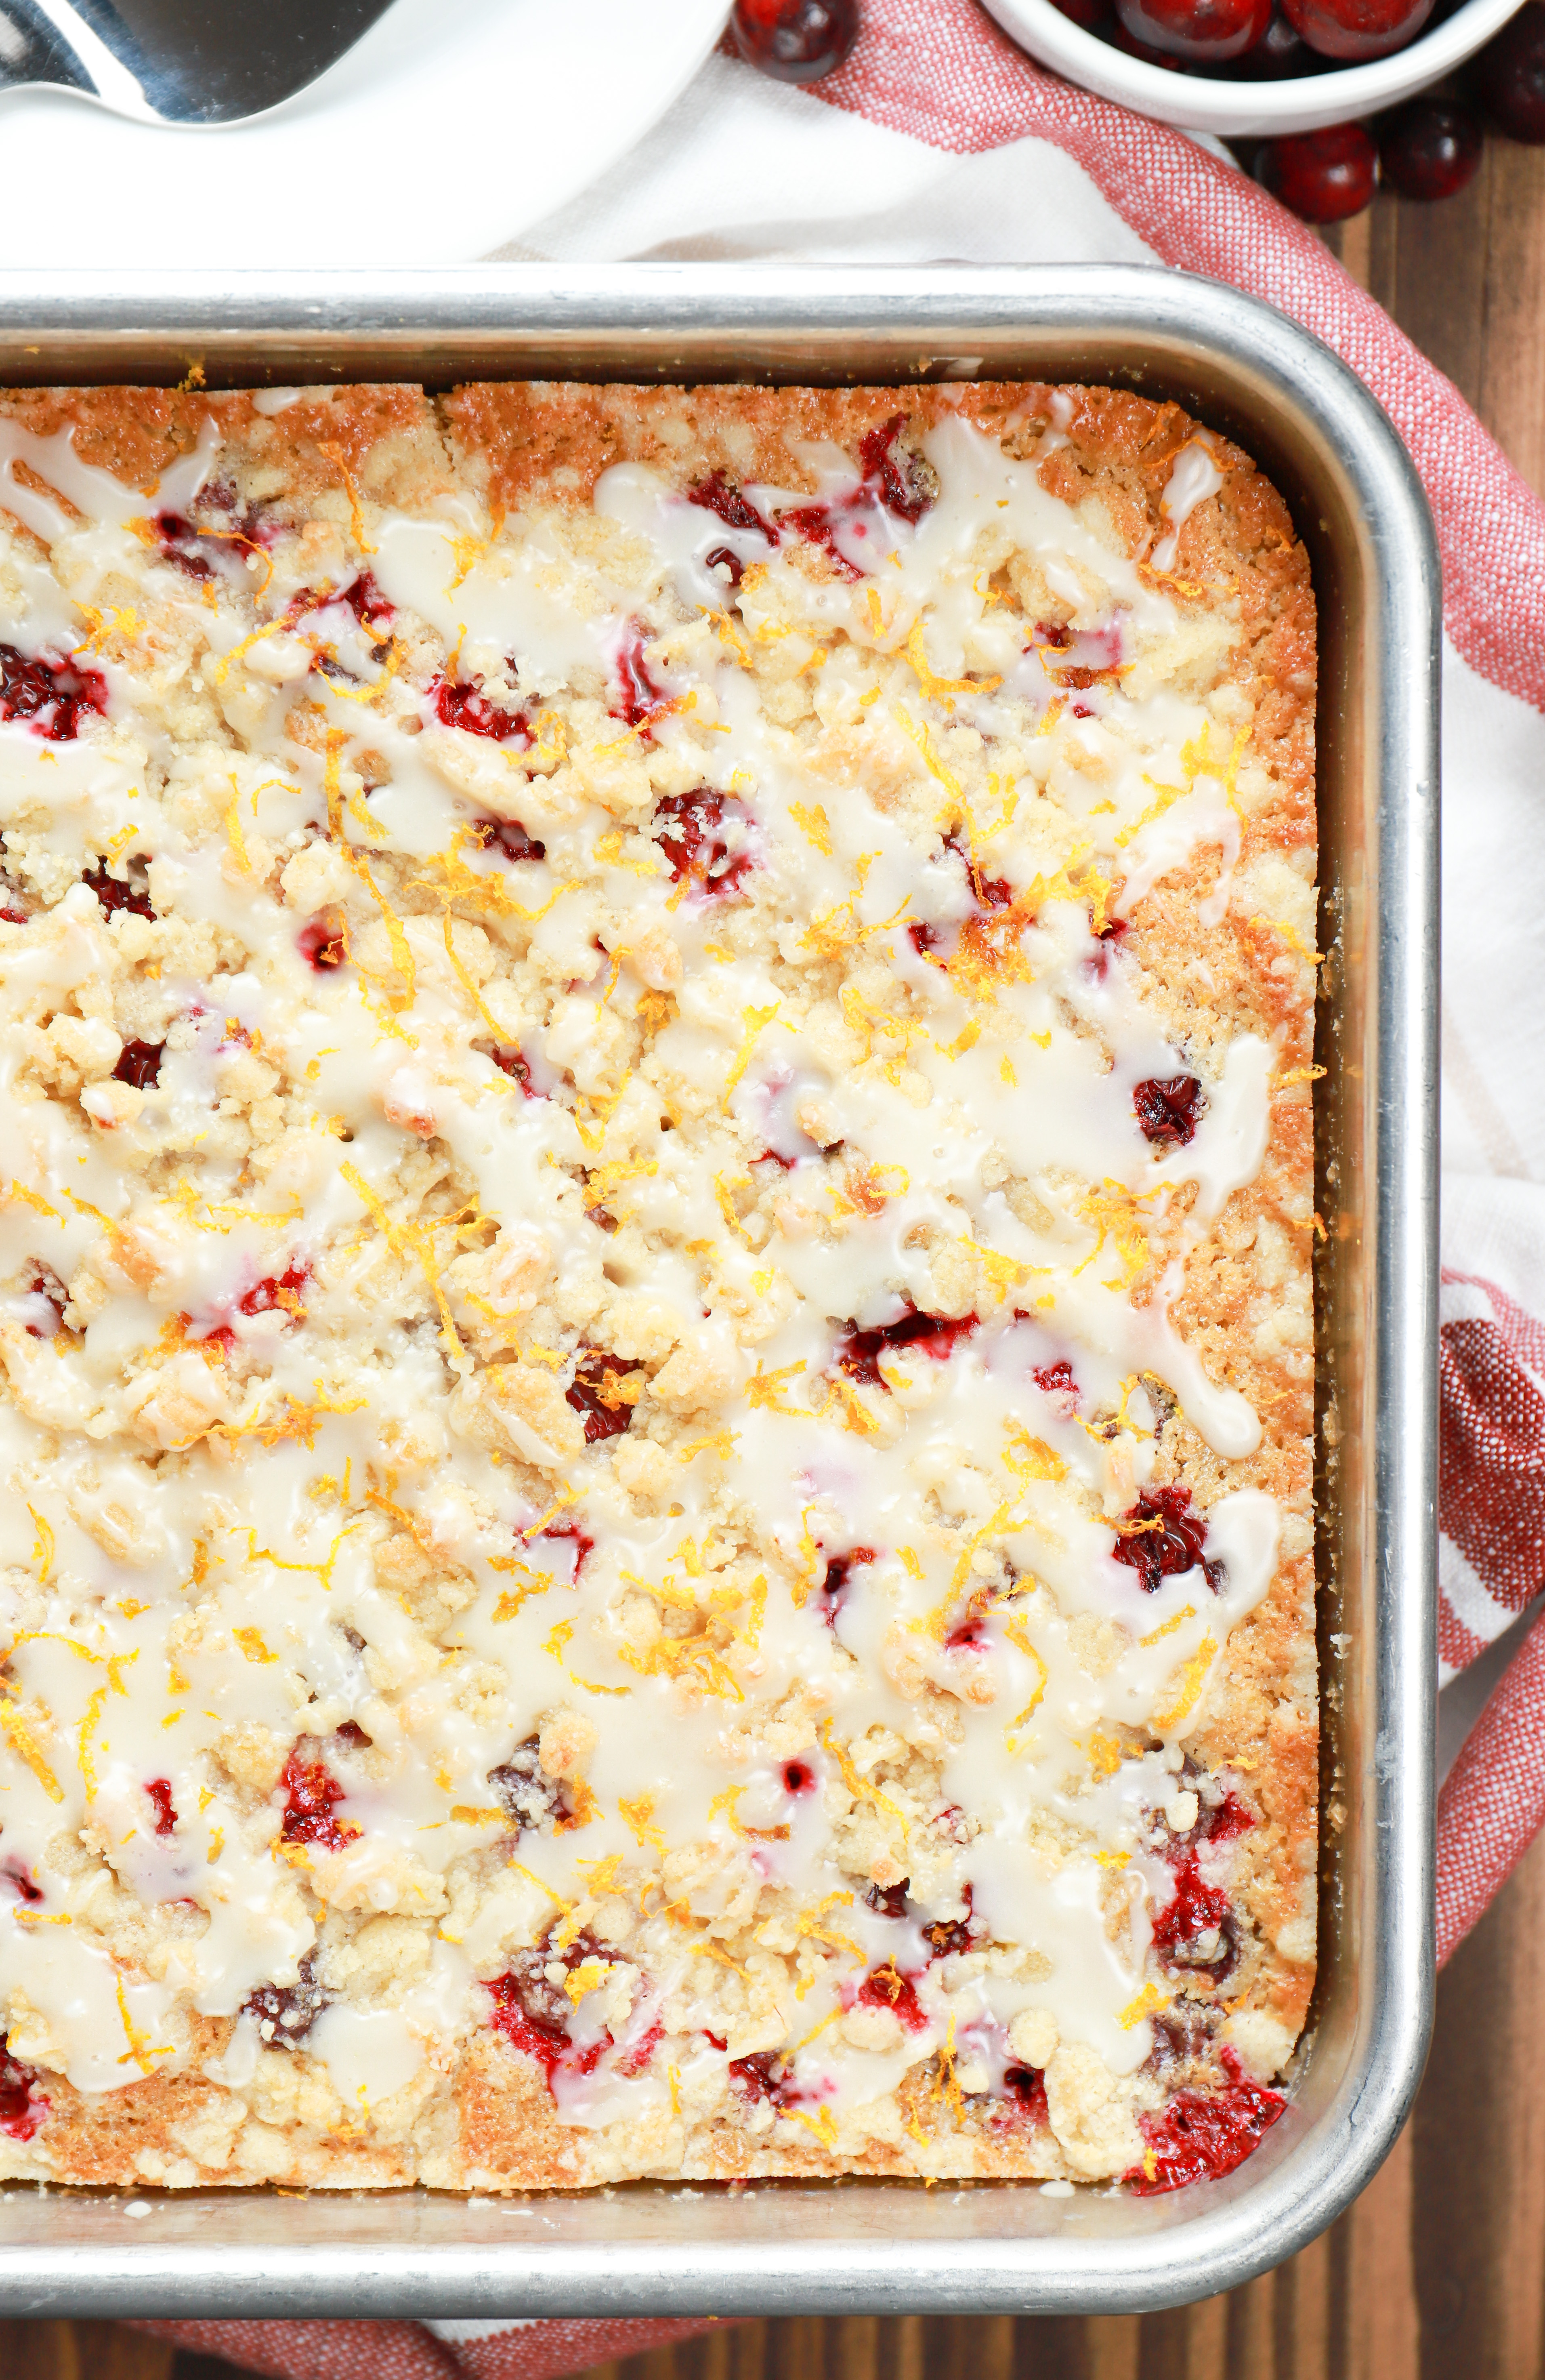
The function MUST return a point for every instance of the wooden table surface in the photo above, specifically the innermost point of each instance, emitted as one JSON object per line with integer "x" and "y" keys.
{"x": 1438, "y": 2272}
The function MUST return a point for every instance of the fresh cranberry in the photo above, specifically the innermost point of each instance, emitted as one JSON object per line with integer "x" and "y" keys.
{"x": 508, "y": 837}
{"x": 1351, "y": 31}
{"x": 115, "y": 893}
{"x": 859, "y": 1352}
{"x": 1163, "y": 1538}
{"x": 796, "y": 41}
{"x": 689, "y": 828}
{"x": 1169, "y": 1112}
{"x": 1321, "y": 176}
{"x": 22, "y": 2109}
{"x": 1202, "y": 32}
{"x": 1203, "y": 2134}
{"x": 1510, "y": 73}
{"x": 1121, "y": 38}
{"x": 310, "y": 1797}
{"x": 140, "y": 1064}
{"x": 593, "y": 1392}
{"x": 1429, "y": 149}
{"x": 159, "y": 1791}
{"x": 324, "y": 945}
{"x": 465, "y": 705}
{"x": 54, "y": 697}
{"x": 1281, "y": 54}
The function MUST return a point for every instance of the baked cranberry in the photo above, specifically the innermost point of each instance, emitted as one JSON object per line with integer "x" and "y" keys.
{"x": 888, "y": 1988}
{"x": 1321, "y": 176}
{"x": 22, "y": 2109}
{"x": 839, "y": 1576}
{"x": 530, "y": 1799}
{"x": 1510, "y": 73}
{"x": 1202, "y": 32}
{"x": 1429, "y": 149}
{"x": 283, "y": 1290}
{"x": 691, "y": 839}
{"x": 285, "y": 2012}
{"x": 28, "y": 1889}
{"x": 511, "y": 1062}
{"x": 797, "y": 1777}
{"x": 159, "y": 1792}
{"x": 1162, "y": 1537}
{"x": 718, "y": 494}
{"x": 115, "y": 893}
{"x": 353, "y": 1736}
{"x": 139, "y": 1065}
{"x": 1056, "y": 1379}
{"x": 464, "y": 704}
{"x": 508, "y": 837}
{"x": 796, "y": 41}
{"x": 1026, "y": 2087}
{"x": 52, "y": 697}
{"x": 1169, "y": 1112}
{"x": 323, "y": 944}
{"x": 889, "y": 1900}
{"x": 1203, "y": 2134}
{"x": 902, "y": 479}
{"x": 1197, "y": 1928}
{"x": 859, "y": 1352}
{"x": 310, "y": 1797}
{"x": 596, "y": 1393}
{"x": 764, "y": 2076}
{"x": 638, "y": 695}
{"x": 1350, "y": 31}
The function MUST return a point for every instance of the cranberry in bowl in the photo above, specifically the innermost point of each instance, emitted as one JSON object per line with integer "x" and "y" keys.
{"x": 1181, "y": 62}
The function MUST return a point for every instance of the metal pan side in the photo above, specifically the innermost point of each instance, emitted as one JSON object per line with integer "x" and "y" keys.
{"x": 864, "y": 2246}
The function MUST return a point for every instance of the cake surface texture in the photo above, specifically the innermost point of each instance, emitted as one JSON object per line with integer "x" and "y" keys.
{"x": 657, "y": 1203}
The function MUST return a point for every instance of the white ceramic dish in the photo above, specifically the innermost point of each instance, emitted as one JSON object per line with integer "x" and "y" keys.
{"x": 446, "y": 132}
{"x": 1205, "y": 103}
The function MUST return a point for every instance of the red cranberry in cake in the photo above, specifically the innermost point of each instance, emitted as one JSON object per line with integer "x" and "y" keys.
{"x": 462, "y": 703}
{"x": 52, "y": 696}
{"x": 1201, "y": 2135}
{"x": 139, "y": 1065}
{"x": 285, "y": 2012}
{"x": 795, "y": 41}
{"x": 531, "y": 1799}
{"x": 323, "y": 944}
{"x": 691, "y": 831}
{"x": 311, "y": 1795}
{"x": 1161, "y": 1537}
{"x": 158, "y": 1792}
{"x": 23, "y": 2109}
{"x": 115, "y": 892}
{"x": 508, "y": 838}
{"x": 1168, "y": 1112}
{"x": 600, "y": 1391}
{"x": 859, "y": 1352}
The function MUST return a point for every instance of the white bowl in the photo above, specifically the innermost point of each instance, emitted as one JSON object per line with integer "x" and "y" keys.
{"x": 1205, "y": 103}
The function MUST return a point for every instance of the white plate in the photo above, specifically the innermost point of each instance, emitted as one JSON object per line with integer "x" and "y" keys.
{"x": 452, "y": 127}
{"x": 1207, "y": 103}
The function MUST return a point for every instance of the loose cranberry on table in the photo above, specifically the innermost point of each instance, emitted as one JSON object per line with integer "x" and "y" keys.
{"x": 1510, "y": 73}
{"x": 797, "y": 40}
{"x": 1351, "y": 31}
{"x": 1202, "y": 32}
{"x": 1322, "y": 176}
{"x": 1429, "y": 149}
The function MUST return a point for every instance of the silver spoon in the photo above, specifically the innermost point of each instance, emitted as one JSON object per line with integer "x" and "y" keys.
{"x": 179, "y": 61}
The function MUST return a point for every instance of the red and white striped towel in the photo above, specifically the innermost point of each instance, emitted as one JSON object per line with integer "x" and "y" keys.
{"x": 939, "y": 139}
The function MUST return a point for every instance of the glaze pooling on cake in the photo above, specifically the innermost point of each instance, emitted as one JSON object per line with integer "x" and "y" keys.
{"x": 655, "y": 1257}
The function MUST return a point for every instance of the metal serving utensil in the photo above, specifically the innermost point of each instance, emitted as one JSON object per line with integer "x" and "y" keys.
{"x": 179, "y": 61}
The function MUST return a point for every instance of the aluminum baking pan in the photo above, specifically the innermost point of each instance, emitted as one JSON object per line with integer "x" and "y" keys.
{"x": 891, "y": 2248}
